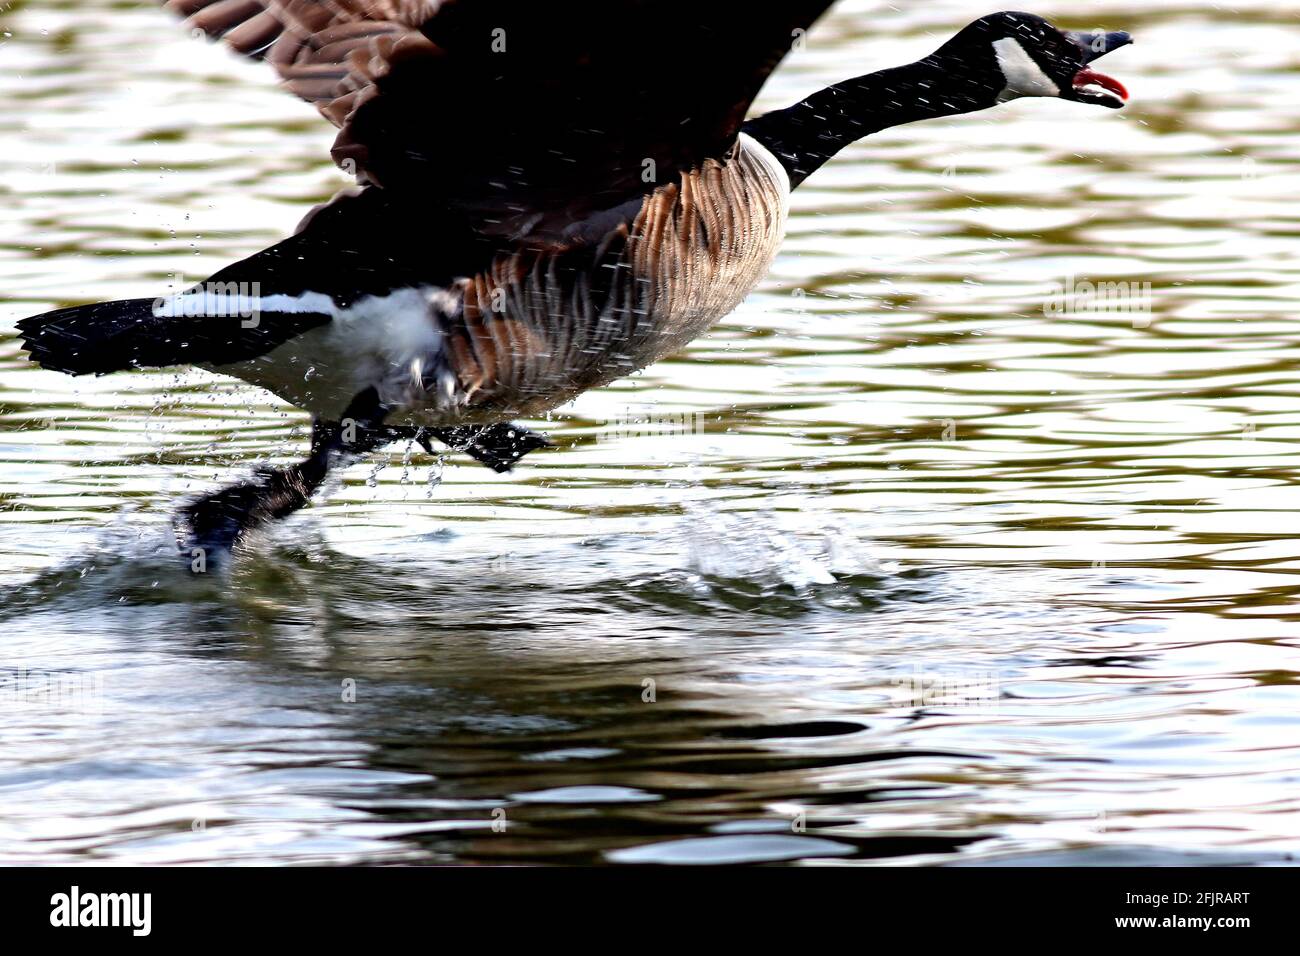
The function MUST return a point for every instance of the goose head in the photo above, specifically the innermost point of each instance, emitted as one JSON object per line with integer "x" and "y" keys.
{"x": 1013, "y": 54}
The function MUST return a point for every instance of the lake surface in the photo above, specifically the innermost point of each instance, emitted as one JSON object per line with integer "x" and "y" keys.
{"x": 937, "y": 551}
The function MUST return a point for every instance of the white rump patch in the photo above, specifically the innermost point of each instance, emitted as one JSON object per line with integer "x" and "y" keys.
{"x": 1024, "y": 77}
{"x": 390, "y": 342}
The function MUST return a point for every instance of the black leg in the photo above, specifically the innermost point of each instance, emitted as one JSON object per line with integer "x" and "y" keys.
{"x": 208, "y": 528}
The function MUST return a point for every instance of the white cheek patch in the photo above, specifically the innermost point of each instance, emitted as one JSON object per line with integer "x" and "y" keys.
{"x": 1024, "y": 77}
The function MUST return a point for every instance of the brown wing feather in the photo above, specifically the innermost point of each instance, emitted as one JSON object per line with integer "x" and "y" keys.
{"x": 323, "y": 50}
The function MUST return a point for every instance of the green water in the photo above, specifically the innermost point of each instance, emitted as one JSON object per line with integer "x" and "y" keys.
{"x": 934, "y": 557}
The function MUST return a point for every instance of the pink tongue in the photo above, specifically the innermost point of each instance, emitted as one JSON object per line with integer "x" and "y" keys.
{"x": 1086, "y": 76}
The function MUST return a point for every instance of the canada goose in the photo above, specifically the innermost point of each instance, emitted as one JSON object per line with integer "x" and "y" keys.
{"x": 544, "y": 204}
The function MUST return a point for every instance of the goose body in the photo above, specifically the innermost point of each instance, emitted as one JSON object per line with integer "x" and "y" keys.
{"x": 543, "y": 205}
{"x": 535, "y": 328}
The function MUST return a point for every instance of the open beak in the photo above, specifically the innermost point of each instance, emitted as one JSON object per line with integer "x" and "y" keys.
{"x": 1090, "y": 86}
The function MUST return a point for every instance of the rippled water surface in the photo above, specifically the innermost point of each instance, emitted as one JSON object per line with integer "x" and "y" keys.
{"x": 959, "y": 566}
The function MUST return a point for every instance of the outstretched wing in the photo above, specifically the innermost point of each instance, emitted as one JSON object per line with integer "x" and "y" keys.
{"x": 524, "y": 117}
{"x": 325, "y": 51}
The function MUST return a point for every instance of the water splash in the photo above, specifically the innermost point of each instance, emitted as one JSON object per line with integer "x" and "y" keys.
{"x": 798, "y": 550}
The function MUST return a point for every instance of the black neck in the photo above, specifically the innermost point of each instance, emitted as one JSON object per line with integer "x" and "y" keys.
{"x": 806, "y": 135}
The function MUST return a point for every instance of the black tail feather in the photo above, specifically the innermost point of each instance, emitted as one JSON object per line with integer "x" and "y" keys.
{"x": 87, "y": 339}
{"x": 110, "y": 336}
